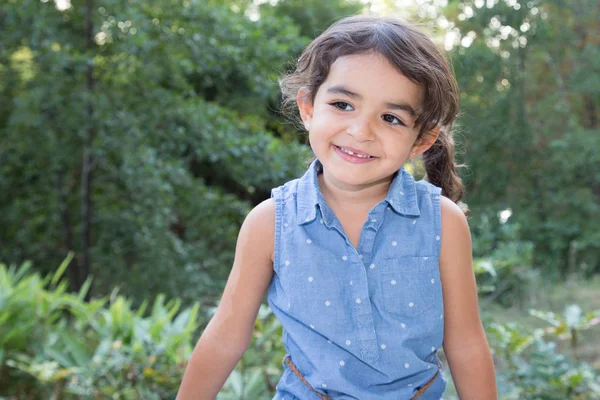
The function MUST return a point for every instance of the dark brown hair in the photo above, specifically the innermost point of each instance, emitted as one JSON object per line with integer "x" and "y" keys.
{"x": 415, "y": 56}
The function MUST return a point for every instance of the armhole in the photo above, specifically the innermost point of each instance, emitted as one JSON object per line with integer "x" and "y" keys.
{"x": 276, "y": 195}
{"x": 435, "y": 194}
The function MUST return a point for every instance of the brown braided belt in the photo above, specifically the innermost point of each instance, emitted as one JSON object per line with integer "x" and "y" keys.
{"x": 294, "y": 369}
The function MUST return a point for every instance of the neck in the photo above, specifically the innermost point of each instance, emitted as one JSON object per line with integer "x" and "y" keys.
{"x": 338, "y": 194}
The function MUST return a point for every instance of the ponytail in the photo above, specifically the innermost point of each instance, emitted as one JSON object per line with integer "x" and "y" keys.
{"x": 441, "y": 168}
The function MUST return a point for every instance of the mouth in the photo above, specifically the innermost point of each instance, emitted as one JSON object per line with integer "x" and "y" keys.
{"x": 352, "y": 155}
{"x": 353, "y": 152}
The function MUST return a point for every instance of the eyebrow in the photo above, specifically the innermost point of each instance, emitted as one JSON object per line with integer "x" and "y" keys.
{"x": 339, "y": 89}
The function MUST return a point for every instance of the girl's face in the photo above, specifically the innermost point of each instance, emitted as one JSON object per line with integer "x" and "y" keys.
{"x": 362, "y": 121}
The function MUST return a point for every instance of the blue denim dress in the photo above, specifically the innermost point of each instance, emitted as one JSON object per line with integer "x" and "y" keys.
{"x": 359, "y": 323}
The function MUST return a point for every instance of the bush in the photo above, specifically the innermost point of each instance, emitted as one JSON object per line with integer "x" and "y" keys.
{"x": 55, "y": 345}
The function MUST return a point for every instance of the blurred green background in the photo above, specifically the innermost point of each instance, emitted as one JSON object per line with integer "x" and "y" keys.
{"x": 135, "y": 136}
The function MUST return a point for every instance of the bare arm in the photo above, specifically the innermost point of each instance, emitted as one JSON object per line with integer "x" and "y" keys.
{"x": 229, "y": 332}
{"x": 465, "y": 344}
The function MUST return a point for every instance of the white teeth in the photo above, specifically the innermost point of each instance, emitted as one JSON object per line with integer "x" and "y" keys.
{"x": 354, "y": 154}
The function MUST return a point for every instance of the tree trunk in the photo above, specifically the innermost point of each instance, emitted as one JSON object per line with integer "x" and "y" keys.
{"x": 87, "y": 168}
{"x": 67, "y": 227}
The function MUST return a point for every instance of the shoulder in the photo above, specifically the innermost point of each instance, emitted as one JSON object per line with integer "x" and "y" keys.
{"x": 259, "y": 227}
{"x": 262, "y": 211}
{"x": 456, "y": 236}
{"x": 453, "y": 216}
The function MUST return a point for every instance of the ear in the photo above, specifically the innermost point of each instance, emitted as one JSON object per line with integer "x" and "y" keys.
{"x": 422, "y": 145}
{"x": 305, "y": 106}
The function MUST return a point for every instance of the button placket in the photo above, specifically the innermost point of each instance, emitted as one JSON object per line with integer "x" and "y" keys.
{"x": 361, "y": 307}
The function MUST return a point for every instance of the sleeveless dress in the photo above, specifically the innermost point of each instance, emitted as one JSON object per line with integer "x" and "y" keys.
{"x": 359, "y": 323}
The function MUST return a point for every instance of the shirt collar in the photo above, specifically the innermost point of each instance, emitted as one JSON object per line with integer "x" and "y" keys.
{"x": 308, "y": 193}
{"x": 401, "y": 196}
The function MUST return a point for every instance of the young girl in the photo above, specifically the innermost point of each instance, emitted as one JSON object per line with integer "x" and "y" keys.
{"x": 369, "y": 272}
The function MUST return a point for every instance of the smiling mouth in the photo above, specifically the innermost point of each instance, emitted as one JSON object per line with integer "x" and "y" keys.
{"x": 354, "y": 152}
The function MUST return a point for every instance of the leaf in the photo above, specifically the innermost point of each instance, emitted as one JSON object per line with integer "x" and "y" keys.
{"x": 61, "y": 269}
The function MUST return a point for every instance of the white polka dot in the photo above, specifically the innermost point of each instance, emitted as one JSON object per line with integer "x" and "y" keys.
{"x": 286, "y": 224}
{"x": 393, "y": 282}
{"x": 344, "y": 258}
{"x": 323, "y": 385}
{"x": 389, "y": 208}
{"x": 403, "y": 325}
{"x": 289, "y": 305}
{"x": 391, "y": 201}
{"x": 437, "y": 238}
{"x": 414, "y": 221}
{"x": 410, "y": 384}
{"x": 321, "y": 220}
{"x": 357, "y": 301}
{"x": 342, "y": 363}
{"x": 351, "y": 283}
{"x": 307, "y": 219}
{"x": 348, "y": 342}
{"x": 383, "y": 346}
{"x": 432, "y": 348}
{"x": 312, "y": 326}
{"x": 329, "y": 341}
{"x": 308, "y": 241}
{"x": 287, "y": 262}
{"x": 372, "y": 266}
{"x": 310, "y": 279}
{"x": 373, "y": 220}
{"x": 394, "y": 243}
{"x": 429, "y": 366}
{"x": 401, "y": 193}
{"x": 411, "y": 304}
{"x": 327, "y": 303}
{"x": 406, "y": 365}
{"x": 433, "y": 281}
{"x": 360, "y": 256}
{"x": 425, "y": 258}
{"x": 441, "y": 316}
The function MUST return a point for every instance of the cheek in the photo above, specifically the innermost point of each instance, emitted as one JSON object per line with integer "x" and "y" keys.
{"x": 322, "y": 128}
{"x": 315, "y": 140}
{"x": 395, "y": 145}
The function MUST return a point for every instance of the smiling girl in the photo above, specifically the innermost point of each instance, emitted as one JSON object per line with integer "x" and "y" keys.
{"x": 369, "y": 272}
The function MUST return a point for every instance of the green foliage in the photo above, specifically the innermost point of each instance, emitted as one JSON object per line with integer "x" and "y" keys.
{"x": 503, "y": 261}
{"x": 175, "y": 121}
{"x": 55, "y": 343}
{"x": 530, "y": 113}
{"x": 532, "y": 368}
{"x": 313, "y": 16}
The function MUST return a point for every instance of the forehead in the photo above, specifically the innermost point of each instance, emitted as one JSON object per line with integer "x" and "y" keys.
{"x": 374, "y": 78}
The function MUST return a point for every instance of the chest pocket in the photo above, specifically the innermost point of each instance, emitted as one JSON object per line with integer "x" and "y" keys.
{"x": 410, "y": 285}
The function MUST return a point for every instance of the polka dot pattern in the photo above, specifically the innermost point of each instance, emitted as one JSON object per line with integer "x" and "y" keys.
{"x": 371, "y": 301}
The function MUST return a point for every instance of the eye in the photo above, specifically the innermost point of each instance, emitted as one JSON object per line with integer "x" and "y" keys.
{"x": 389, "y": 118}
{"x": 342, "y": 105}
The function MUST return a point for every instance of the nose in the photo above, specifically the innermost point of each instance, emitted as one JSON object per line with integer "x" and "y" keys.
{"x": 361, "y": 130}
